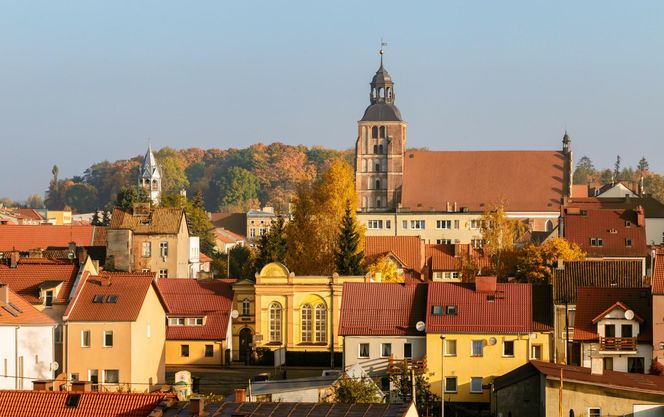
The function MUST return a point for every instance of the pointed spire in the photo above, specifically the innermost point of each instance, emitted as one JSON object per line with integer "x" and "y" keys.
{"x": 567, "y": 141}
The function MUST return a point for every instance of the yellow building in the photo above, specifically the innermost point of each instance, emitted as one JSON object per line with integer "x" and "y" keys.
{"x": 59, "y": 217}
{"x": 297, "y": 313}
{"x": 489, "y": 329}
{"x": 115, "y": 329}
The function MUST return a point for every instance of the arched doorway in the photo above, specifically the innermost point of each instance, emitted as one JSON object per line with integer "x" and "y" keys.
{"x": 246, "y": 340}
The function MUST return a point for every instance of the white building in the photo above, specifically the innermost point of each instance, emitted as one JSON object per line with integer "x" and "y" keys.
{"x": 149, "y": 176}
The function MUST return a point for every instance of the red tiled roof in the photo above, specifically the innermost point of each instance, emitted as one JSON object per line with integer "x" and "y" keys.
{"x": 408, "y": 249}
{"x": 42, "y": 236}
{"x": 527, "y": 180}
{"x": 592, "y": 302}
{"x": 29, "y": 213}
{"x": 131, "y": 289}
{"x": 652, "y": 207}
{"x": 658, "y": 273}
{"x": 227, "y": 236}
{"x": 449, "y": 257}
{"x": 610, "y": 226}
{"x": 394, "y": 309}
{"x": 509, "y": 310}
{"x": 91, "y": 404}
{"x": 19, "y": 311}
{"x": 188, "y": 298}
{"x": 282, "y": 409}
{"x": 204, "y": 258}
{"x": 26, "y": 278}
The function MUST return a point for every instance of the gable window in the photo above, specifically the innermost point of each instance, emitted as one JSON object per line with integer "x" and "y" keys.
{"x": 443, "y": 224}
{"x": 408, "y": 350}
{"x": 163, "y": 273}
{"x": 163, "y": 249}
{"x": 48, "y": 298}
{"x": 85, "y": 338}
{"x": 209, "y": 351}
{"x": 450, "y": 384}
{"x": 626, "y": 330}
{"x": 536, "y": 352}
{"x": 596, "y": 241}
{"x": 184, "y": 351}
{"x": 437, "y": 310}
{"x": 363, "y": 350}
{"x": 477, "y": 348}
{"x": 476, "y": 385}
{"x": 385, "y": 350}
{"x": 111, "y": 376}
{"x": 508, "y": 348}
{"x": 321, "y": 323}
{"x": 108, "y": 338}
{"x": 451, "y": 310}
{"x": 275, "y": 323}
{"x": 306, "y": 313}
{"x": 450, "y": 347}
{"x": 245, "y": 307}
{"x": 146, "y": 249}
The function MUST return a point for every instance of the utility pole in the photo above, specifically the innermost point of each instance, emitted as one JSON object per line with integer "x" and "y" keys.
{"x": 442, "y": 376}
{"x": 413, "y": 387}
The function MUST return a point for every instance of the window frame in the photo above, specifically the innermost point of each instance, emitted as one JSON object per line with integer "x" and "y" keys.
{"x": 163, "y": 249}
{"x": 472, "y": 348}
{"x": 410, "y": 348}
{"x": 359, "y": 351}
{"x": 105, "y": 338}
{"x": 592, "y": 409}
{"x": 532, "y": 348}
{"x": 449, "y": 343}
{"x": 475, "y": 378}
{"x": 246, "y": 307}
{"x": 209, "y": 351}
{"x": 505, "y": 344}
{"x": 185, "y": 351}
{"x": 456, "y": 384}
{"x": 306, "y": 323}
{"x": 85, "y": 333}
{"x": 275, "y": 319}
{"x": 146, "y": 249}
{"x": 320, "y": 329}
{"x": 382, "y": 350}
{"x": 105, "y": 376}
{"x": 163, "y": 273}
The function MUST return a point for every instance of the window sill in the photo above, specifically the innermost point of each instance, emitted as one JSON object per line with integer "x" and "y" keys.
{"x": 451, "y": 392}
{"x": 312, "y": 344}
{"x": 507, "y": 356}
{"x": 449, "y": 355}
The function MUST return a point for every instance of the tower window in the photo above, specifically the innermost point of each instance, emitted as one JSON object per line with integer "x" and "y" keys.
{"x": 378, "y": 204}
{"x": 378, "y": 184}
{"x": 378, "y": 167}
{"x": 382, "y": 131}
{"x": 374, "y": 132}
{"x": 380, "y": 149}
{"x": 375, "y": 149}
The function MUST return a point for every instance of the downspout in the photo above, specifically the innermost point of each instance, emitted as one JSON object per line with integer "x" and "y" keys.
{"x": 16, "y": 356}
{"x": 566, "y": 333}
{"x": 332, "y": 321}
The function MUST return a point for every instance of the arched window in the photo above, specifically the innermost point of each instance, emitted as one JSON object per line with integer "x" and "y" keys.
{"x": 307, "y": 321}
{"x": 548, "y": 226}
{"x": 375, "y": 148}
{"x": 381, "y": 92}
{"x": 275, "y": 322}
{"x": 380, "y": 148}
{"x": 154, "y": 185}
{"x": 377, "y": 166}
{"x": 378, "y": 184}
{"x": 389, "y": 93}
{"x": 245, "y": 307}
{"x": 382, "y": 132}
{"x": 321, "y": 323}
{"x": 378, "y": 203}
{"x": 364, "y": 165}
{"x": 374, "y": 132}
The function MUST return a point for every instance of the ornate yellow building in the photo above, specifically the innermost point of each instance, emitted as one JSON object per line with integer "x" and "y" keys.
{"x": 297, "y": 313}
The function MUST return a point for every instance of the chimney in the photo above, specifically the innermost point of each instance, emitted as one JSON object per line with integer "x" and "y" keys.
{"x": 240, "y": 395}
{"x": 42, "y": 385}
{"x": 486, "y": 284}
{"x": 13, "y": 259}
{"x": 81, "y": 386}
{"x": 105, "y": 281}
{"x": 82, "y": 256}
{"x": 454, "y": 207}
{"x": 596, "y": 366}
{"x": 4, "y": 293}
{"x": 640, "y": 216}
{"x": 197, "y": 406}
{"x": 447, "y": 206}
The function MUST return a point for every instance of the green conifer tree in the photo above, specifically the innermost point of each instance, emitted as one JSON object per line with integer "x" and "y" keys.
{"x": 349, "y": 258}
{"x": 272, "y": 245}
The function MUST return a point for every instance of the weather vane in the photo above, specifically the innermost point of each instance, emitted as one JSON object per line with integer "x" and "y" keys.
{"x": 381, "y": 52}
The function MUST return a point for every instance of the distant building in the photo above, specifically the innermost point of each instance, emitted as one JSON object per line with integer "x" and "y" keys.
{"x": 149, "y": 176}
{"x": 259, "y": 222}
{"x": 658, "y": 308}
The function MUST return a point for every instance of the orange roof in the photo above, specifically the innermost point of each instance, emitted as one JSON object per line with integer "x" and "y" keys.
{"x": 90, "y": 404}
{"x": 42, "y": 236}
{"x": 527, "y": 180}
{"x": 408, "y": 249}
{"x": 17, "y": 311}
{"x": 204, "y": 258}
{"x": 449, "y": 257}
{"x": 227, "y": 236}
{"x": 27, "y": 278}
{"x": 93, "y": 300}
{"x": 658, "y": 273}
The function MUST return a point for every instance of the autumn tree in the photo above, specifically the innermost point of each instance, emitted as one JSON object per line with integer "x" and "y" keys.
{"x": 401, "y": 379}
{"x": 197, "y": 220}
{"x": 535, "y": 263}
{"x": 349, "y": 256}
{"x": 272, "y": 246}
{"x": 585, "y": 171}
{"x": 356, "y": 391}
{"x": 499, "y": 236}
{"x": 128, "y": 196}
{"x": 654, "y": 185}
{"x": 238, "y": 190}
{"x": 319, "y": 208}
{"x": 384, "y": 269}
{"x": 242, "y": 262}
{"x": 173, "y": 178}
{"x": 82, "y": 197}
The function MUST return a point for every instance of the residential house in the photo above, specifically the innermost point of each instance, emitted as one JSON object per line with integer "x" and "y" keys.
{"x": 614, "y": 327}
{"x": 148, "y": 239}
{"x": 406, "y": 252}
{"x": 21, "y": 216}
{"x": 568, "y": 276}
{"x": 234, "y": 222}
{"x": 198, "y": 313}
{"x": 383, "y": 331}
{"x": 534, "y": 390}
{"x": 59, "y": 217}
{"x": 447, "y": 262}
{"x": 226, "y": 240}
{"x": 477, "y": 332}
{"x": 259, "y": 222}
{"x": 658, "y": 308}
{"x": 295, "y": 314}
{"x": 26, "y": 351}
{"x": 115, "y": 331}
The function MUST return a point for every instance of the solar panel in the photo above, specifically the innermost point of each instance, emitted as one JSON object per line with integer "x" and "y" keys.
{"x": 9, "y": 311}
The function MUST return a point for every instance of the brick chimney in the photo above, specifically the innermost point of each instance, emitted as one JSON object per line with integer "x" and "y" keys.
{"x": 486, "y": 284}
{"x": 4, "y": 293}
{"x": 596, "y": 366}
{"x": 82, "y": 256}
{"x": 42, "y": 385}
{"x": 81, "y": 386}
{"x": 197, "y": 406}
{"x": 13, "y": 259}
{"x": 240, "y": 395}
{"x": 640, "y": 216}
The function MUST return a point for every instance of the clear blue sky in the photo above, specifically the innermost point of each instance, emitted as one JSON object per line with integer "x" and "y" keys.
{"x": 84, "y": 81}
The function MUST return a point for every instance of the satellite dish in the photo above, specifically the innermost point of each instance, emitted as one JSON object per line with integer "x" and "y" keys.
{"x": 235, "y": 314}
{"x": 492, "y": 341}
{"x": 629, "y": 314}
{"x": 54, "y": 366}
{"x": 420, "y": 326}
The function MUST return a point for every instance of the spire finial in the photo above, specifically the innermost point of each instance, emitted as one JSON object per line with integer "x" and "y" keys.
{"x": 382, "y": 51}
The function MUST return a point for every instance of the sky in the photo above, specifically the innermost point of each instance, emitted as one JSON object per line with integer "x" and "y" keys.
{"x": 85, "y": 81}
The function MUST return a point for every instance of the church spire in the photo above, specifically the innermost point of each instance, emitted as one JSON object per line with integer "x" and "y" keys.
{"x": 382, "y": 86}
{"x": 149, "y": 176}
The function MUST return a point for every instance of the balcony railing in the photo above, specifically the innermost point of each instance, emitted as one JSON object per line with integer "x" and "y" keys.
{"x": 617, "y": 344}
{"x": 418, "y": 365}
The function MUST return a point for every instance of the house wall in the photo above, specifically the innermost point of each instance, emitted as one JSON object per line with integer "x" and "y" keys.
{"x": 31, "y": 346}
{"x": 242, "y": 290}
{"x": 148, "y": 335}
{"x": 654, "y": 231}
{"x": 489, "y": 366}
{"x": 119, "y": 246}
{"x": 523, "y": 398}
{"x": 375, "y": 365}
{"x": 620, "y": 361}
{"x": 196, "y": 352}
{"x": 658, "y": 327}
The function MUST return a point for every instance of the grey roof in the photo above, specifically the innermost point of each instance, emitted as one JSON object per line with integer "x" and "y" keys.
{"x": 382, "y": 112}
{"x": 286, "y": 385}
{"x": 248, "y": 409}
{"x": 382, "y": 76}
{"x": 149, "y": 167}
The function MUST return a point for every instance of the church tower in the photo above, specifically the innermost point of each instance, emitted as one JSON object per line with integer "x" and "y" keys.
{"x": 380, "y": 147}
{"x": 149, "y": 176}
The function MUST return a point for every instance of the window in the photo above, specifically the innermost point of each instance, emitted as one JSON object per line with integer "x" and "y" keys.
{"x": 245, "y": 307}
{"x": 477, "y": 348}
{"x": 163, "y": 273}
{"x": 456, "y": 224}
{"x": 146, "y": 249}
{"x": 176, "y": 321}
{"x": 596, "y": 241}
{"x": 375, "y": 224}
{"x": 476, "y": 385}
{"x": 508, "y": 348}
{"x": 209, "y": 351}
{"x": 385, "y": 350}
{"x": 93, "y": 376}
{"x": 628, "y": 223}
{"x": 275, "y": 323}
{"x": 437, "y": 310}
{"x": 85, "y": 338}
{"x": 58, "y": 334}
{"x": 595, "y": 412}
{"x": 610, "y": 330}
{"x": 112, "y": 299}
{"x": 608, "y": 364}
{"x": 626, "y": 330}
{"x": 252, "y": 232}
{"x": 388, "y": 224}
{"x": 443, "y": 224}
{"x": 111, "y": 376}
{"x": 184, "y": 351}
{"x": 377, "y": 167}
{"x": 378, "y": 184}
{"x": 404, "y": 225}
{"x": 636, "y": 365}
{"x": 536, "y": 352}
{"x": 48, "y": 298}
{"x": 145, "y": 270}
{"x": 451, "y": 310}
{"x": 363, "y": 350}
{"x": 321, "y": 323}
{"x": 98, "y": 299}
{"x": 475, "y": 224}
{"x": 476, "y": 243}
{"x": 163, "y": 249}
{"x": 108, "y": 338}
{"x": 408, "y": 350}
{"x": 73, "y": 377}
{"x": 378, "y": 203}
{"x": 417, "y": 224}
{"x": 306, "y": 313}
{"x": 571, "y": 316}
{"x": 443, "y": 241}
{"x": 450, "y": 347}
{"x": 628, "y": 242}
{"x": 195, "y": 321}
{"x": 450, "y": 384}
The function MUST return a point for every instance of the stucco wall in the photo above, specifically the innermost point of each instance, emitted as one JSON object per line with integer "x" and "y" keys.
{"x": 654, "y": 231}
{"x": 522, "y": 399}
{"x": 658, "y": 327}
{"x": 35, "y": 345}
{"x": 375, "y": 365}
{"x": 148, "y": 359}
{"x": 196, "y": 352}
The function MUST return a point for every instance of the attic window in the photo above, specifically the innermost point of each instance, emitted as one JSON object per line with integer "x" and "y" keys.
{"x": 437, "y": 310}
{"x": 628, "y": 223}
{"x": 613, "y": 231}
{"x": 628, "y": 242}
{"x": 596, "y": 241}
{"x": 112, "y": 299}
{"x": 451, "y": 310}
{"x": 98, "y": 299}
{"x": 72, "y": 400}
{"x": 491, "y": 298}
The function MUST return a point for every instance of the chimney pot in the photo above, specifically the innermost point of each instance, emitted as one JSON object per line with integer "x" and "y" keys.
{"x": 81, "y": 386}
{"x": 197, "y": 406}
{"x": 4, "y": 293}
{"x": 240, "y": 395}
{"x": 42, "y": 385}
{"x": 13, "y": 259}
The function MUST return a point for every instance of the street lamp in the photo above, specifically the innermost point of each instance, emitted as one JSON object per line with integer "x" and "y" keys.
{"x": 442, "y": 376}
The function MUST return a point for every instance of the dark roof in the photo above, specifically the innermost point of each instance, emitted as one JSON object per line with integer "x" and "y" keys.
{"x": 382, "y": 112}
{"x": 261, "y": 409}
{"x": 592, "y": 302}
{"x": 235, "y": 222}
{"x": 394, "y": 309}
{"x": 526, "y": 180}
{"x": 595, "y": 273}
{"x": 158, "y": 221}
{"x": 577, "y": 374}
{"x": 658, "y": 273}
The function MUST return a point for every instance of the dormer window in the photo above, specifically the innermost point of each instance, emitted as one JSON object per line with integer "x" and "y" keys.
{"x": 596, "y": 241}
{"x": 628, "y": 242}
{"x": 48, "y": 298}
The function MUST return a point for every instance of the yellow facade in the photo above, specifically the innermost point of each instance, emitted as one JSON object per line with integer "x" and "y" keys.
{"x": 59, "y": 217}
{"x": 491, "y": 364}
{"x": 196, "y": 352}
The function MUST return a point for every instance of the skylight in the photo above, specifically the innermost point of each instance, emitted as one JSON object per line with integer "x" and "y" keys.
{"x": 98, "y": 299}
{"x": 112, "y": 299}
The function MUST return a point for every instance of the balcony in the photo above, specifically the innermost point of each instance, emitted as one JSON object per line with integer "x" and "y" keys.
{"x": 397, "y": 364}
{"x": 619, "y": 345}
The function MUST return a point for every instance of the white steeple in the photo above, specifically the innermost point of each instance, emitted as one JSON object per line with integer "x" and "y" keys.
{"x": 149, "y": 176}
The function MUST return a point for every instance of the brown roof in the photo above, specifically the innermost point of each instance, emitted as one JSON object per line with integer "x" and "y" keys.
{"x": 526, "y": 180}
{"x": 609, "y": 379}
{"x": 227, "y": 236}
{"x": 235, "y": 222}
{"x": 652, "y": 207}
{"x": 408, "y": 249}
{"x": 29, "y": 275}
{"x": 449, "y": 257}
{"x": 594, "y": 273}
{"x": 613, "y": 226}
{"x": 593, "y": 302}
{"x": 394, "y": 309}
{"x": 658, "y": 273}
{"x": 261, "y": 409}
{"x": 130, "y": 289}
{"x": 90, "y": 404}
{"x": 18, "y": 311}
{"x": 42, "y": 236}
{"x": 159, "y": 220}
